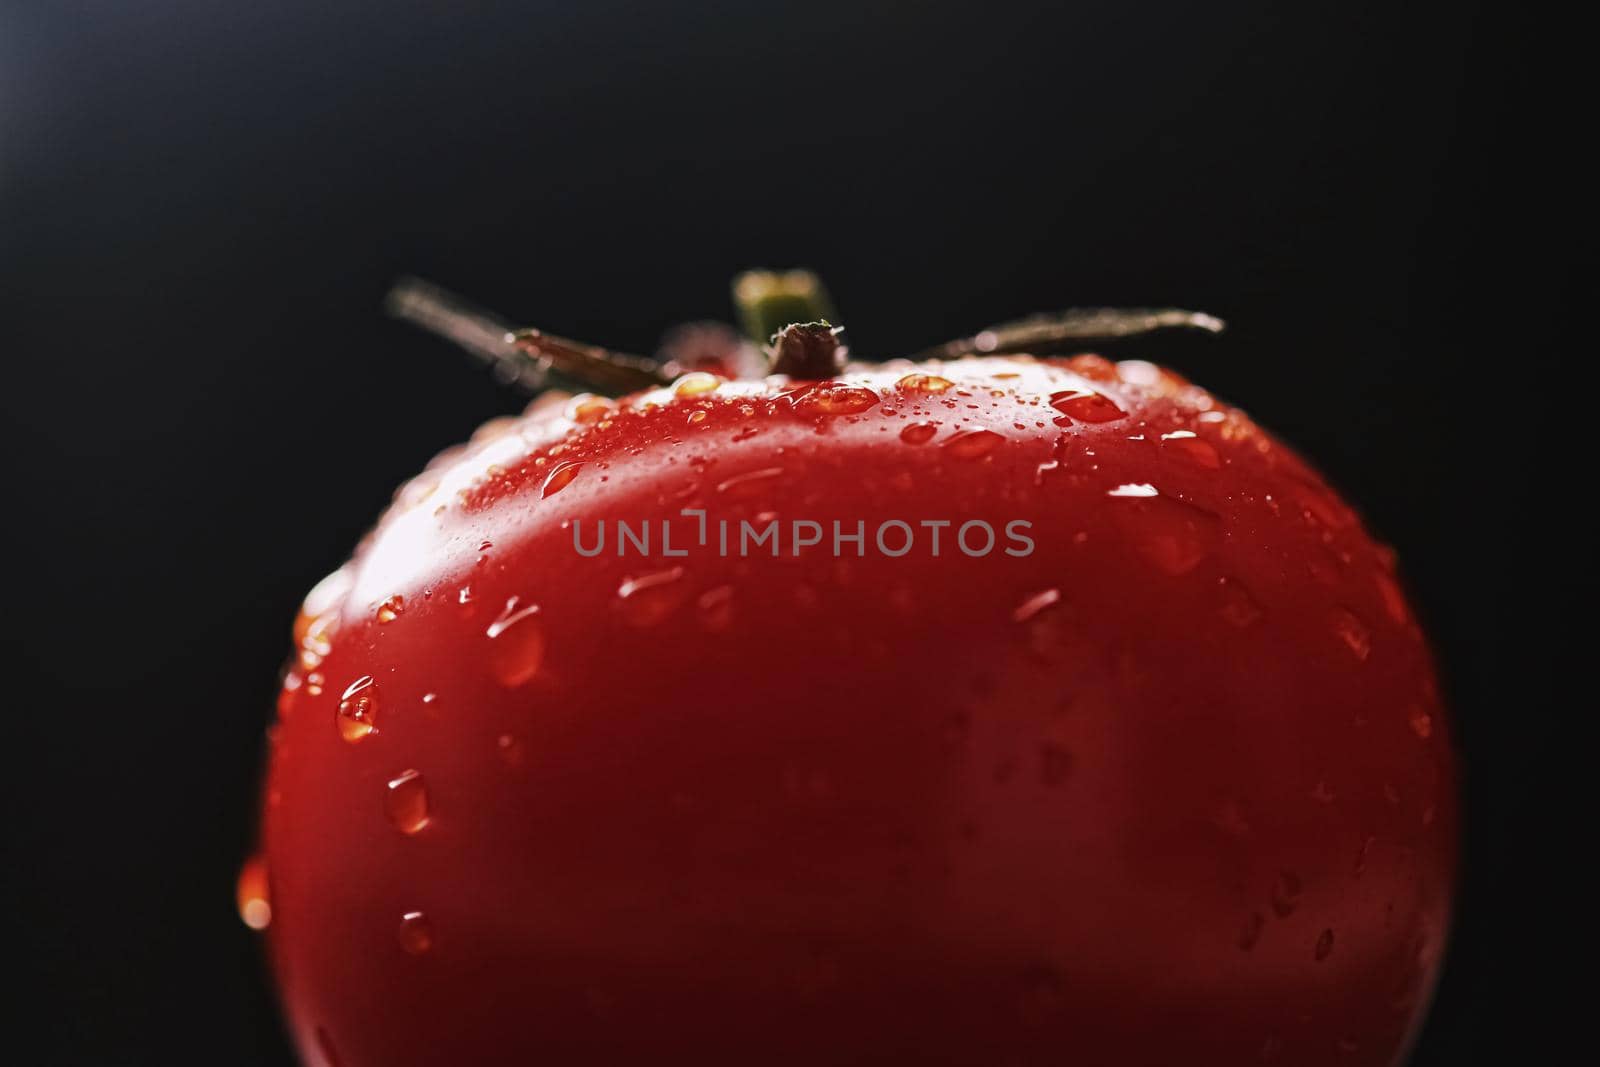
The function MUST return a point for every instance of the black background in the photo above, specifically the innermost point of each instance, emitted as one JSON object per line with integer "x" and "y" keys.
{"x": 202, "y": 205}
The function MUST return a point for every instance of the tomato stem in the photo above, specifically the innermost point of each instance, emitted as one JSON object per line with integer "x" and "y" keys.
{"x": 770, "y": 300}
{"x": 809, "y": 351}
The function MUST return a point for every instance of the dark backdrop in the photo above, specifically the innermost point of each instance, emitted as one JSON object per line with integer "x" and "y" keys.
{"x": 203, "y": 203}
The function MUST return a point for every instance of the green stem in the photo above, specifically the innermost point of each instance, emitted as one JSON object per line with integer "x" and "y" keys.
{"x": 769, "y": 300}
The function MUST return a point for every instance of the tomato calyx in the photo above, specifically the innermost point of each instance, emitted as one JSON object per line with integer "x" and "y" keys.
{"x": 788, "y": 322}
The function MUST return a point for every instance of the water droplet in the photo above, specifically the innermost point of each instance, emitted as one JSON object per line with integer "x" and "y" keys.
{"x": 316, "y": 638}
{"x": 286, "y": 694}
{"x": 696, "y": 383}
{"x": 1237, "y": 605}
{"x": 1086, "y": 406}
{"x": 1250, "y": 932}
{"x": 416, "y": 933}
{"x": 358, "y": 710}
{"x": 1191, "y": 448}
{"x": 1324, "y": 945}
{"x": 405, "y": 802}
{"x": 715, "y": 608}
{"x": 587, "y": 408}
{"x": 750, "y": 484}
{"x": 918, "y": 433}
{"x": 1353, "y": 632}
{"x": 1035, "y": 604}
{"x": 392, "y": 608}
{"x": 972, "y": 444}
{"x": 1172, "y": 534}
{"x": 1285, "y": 894}
{"x": 1134, "y": 491}
{"x": 510, "y": 750}
{"x": 1359, "y": 868}
{"x": 1421, "y": 723}
{"x": 330, "y": 1054}
{"x": 1394, "y": 602}
{"x": 519, "y": 643}
{"x": 1096, "y": 368}
{"x": 1055, "y": 764}
{"x": 560, "y": 477}
{"x": 649, "y": 599}
{"x": 839, "y": 400}
{"x": 251, "y": 894}
{"x": 696, "y": 417}
{"x": 924, "y": 383}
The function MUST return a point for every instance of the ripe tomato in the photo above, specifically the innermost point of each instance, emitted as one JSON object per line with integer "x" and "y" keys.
{"x": 1171, "y": 786}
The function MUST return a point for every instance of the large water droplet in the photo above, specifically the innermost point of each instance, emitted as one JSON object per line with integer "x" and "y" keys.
{"x": 648, "y": 600}
{"x": 972, "y": 444}
{"x": 392, "y": 608}
{"x": 839, "y": 400}
{"x": 1086, "y": 406}
{"x": 357, "y": 717}
{"x": 1191, "y": 448}
{"x": 518, "y": 643}
{"x": 416, "y": 933}
{"x": 405, "y": 802}
{"x": 924, "y": 383}
{"x": 251, "y": 894}
{"x": 696, "y": 383}
{"x": 560, "y": 477}
{"x": 1170, "y": 533}
{"x": 918, "y": 433}
{"x": 587, "y": 408}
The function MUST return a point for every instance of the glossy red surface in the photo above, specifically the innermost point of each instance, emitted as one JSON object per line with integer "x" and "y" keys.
{"x": 1173, "y": 788}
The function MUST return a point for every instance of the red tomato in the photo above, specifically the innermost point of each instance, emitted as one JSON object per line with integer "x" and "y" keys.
{"x": 1171, "y": 786}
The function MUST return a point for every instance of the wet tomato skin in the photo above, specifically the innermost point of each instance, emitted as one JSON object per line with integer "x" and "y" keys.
{"x": 1173, "y": 787}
